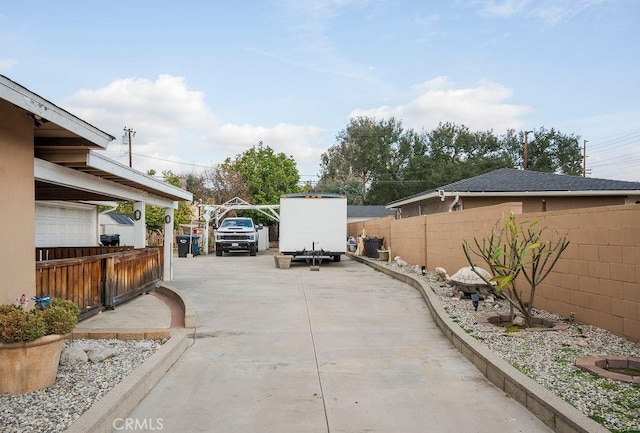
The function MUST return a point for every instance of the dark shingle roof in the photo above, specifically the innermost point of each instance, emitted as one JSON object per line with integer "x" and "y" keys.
{"x": 510, "y": 180}
{"x": 124, "y": 220}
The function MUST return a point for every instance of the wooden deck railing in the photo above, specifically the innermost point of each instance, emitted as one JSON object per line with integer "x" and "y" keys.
{"x": 100, "y": 281}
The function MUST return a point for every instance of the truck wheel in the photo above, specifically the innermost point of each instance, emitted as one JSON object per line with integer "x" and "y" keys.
{"x": 252, "y": 251}
{"x": 218, "y": 253}
{"x": 336, "y": 258}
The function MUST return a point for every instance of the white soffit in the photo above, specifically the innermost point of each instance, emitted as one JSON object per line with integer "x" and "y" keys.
{"x": 38, "y": 106}
{"x": 51, "y": 173}
{"x": 103, "y": 163}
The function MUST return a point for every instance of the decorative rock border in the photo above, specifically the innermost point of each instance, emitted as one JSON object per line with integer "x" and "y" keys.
{"x": 599, "y": 365}
{"x": 547, "y": 325}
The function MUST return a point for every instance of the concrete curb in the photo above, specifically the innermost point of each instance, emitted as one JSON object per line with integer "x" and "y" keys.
{"x": 549, "y": 408}
{"x": 185, "y": 303}
{"x": 126, "y": 395}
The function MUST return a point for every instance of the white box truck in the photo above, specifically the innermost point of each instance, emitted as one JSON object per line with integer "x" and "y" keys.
{"x": 313, "y": 225}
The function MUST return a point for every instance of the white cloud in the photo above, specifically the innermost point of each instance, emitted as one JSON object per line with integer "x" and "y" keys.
{"x": 174, "y": 124}
{"x": 548, "y": 11}
{"x": 6, "y": 64}
{"x": 505, "y": 8}
{"x": 480, "y": 108}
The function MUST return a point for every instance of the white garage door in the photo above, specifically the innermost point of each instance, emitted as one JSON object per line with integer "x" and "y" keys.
{"x": 60, "y": 224}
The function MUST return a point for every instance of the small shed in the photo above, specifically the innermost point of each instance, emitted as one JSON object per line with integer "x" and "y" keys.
{"x": 112, "y": 223}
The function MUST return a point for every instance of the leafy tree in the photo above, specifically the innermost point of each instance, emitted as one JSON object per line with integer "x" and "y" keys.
{"x": 391, "y": 162}
{"x": 367, "y": 150}
{"x": 226, "y": 184}
{"x": 516, "y": 248}
{"x": 265, "y": 174}
{"x": 352, "y": 188}
{"x": 549, "y": 151}
{"x": 196, "y": 184}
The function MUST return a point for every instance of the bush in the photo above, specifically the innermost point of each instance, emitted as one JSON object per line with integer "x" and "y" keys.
{"x": 18, "y": 325}
{"x": 58, "y": 319}
{"x": 67, "y": 305}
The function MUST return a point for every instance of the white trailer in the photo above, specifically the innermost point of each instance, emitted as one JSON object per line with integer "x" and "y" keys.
{"x": 313, "y": 225}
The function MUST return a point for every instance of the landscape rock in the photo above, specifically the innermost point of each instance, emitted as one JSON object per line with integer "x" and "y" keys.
{"x": 73, "y": 356}
{"x": 97, "y": 355}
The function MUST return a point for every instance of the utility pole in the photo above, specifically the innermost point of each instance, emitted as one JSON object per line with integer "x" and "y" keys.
{"x": 526, "y": 149}
{"x": 584, "y": 159}
{"x": 128, "y": 133}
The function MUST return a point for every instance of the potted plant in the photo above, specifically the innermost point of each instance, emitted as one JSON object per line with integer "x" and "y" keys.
{"x": 31, "y": 342}
{"x": 383, "y": 254}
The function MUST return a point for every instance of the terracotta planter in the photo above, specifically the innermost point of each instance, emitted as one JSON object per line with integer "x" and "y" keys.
{"x": 383, "y": 255}
{"x": 30, "y": 366}
{"x": 283, "y": 261}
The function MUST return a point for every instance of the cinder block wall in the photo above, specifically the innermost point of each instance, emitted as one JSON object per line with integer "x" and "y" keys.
{"x": 447, "y": 232}
{"x": 408, "y": 239}
{"x": 597, "y": 278}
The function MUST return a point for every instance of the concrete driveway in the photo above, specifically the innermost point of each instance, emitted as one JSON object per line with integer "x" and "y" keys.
{"x": 344, "y": 349}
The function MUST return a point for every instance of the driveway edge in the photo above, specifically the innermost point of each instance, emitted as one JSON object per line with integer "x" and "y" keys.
{"x": 545, "y": 405}
{"x": 126, "y": 395}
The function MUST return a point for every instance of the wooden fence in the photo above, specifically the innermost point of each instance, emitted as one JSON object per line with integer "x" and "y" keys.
{"x": 54, "y": 253}
{"x": 99, "y": 281}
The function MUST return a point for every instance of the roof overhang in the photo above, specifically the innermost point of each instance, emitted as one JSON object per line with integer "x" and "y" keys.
{"x": 441, "y": 194}
{"x": 57, "y": 182}
{"x": 53, "y": 126}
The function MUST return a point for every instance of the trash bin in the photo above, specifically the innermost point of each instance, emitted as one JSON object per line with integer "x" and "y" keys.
{"x": 195, "y": 245}
{"x": 183, "y": 245}
{"x": 371, "y": 247}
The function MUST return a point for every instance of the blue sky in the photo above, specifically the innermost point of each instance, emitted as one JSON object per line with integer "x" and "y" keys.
{"x": 202, "y": 81}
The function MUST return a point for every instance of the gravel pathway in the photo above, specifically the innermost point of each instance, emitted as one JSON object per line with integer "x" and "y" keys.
{"x": 548, "y": 357}
{"x": 77, "y": 388}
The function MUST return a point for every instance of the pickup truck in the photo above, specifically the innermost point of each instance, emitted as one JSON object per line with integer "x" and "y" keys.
{"x": 237, "y": 234}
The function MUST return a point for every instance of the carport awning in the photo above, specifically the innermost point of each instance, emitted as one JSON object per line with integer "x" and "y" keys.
{"x": 98, "y": 179}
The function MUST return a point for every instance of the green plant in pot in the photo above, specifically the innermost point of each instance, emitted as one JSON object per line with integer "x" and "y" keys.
{"x": 31, "y": 343}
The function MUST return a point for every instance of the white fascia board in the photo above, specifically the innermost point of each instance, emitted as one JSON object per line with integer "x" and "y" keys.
{"x": 29, "y": 101}
{"x": 59, "y": 175}
{"x": 103, "y": 163}
{"x": 615, "y": 192}
{"x": 411, "y": 200}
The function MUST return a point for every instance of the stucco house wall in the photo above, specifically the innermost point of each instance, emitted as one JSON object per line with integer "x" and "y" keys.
{"x": 17, "y": 213}
{"x": 529, "y": 204}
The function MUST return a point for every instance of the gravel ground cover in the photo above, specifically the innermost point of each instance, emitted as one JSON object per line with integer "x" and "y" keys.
{"x": 77, "y": 388}
{"x": 548, "y": 357}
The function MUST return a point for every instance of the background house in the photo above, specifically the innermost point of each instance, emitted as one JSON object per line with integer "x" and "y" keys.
{"x": 538, "y": 192}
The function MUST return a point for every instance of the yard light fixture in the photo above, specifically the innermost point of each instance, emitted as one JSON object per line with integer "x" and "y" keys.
{"x": 475, "y": 300}
{"x": 424, "y": 271}
{"x": 137, "y": 214}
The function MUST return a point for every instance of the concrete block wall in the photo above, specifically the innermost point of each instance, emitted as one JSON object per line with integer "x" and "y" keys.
{"x": 408, "y": 239}
{"x": 597, "y": 278}
{"x": 447, "y": 232}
